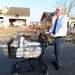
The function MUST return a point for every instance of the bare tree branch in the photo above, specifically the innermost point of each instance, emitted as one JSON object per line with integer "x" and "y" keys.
{"x": 67, "y": 5}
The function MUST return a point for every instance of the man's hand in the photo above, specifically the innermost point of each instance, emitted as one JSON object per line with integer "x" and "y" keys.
{"x": 47, "y": 33}
{"x": 50, "y": 34}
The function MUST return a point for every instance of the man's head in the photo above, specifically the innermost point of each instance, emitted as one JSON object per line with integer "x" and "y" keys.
{"x": 59, "y": 11}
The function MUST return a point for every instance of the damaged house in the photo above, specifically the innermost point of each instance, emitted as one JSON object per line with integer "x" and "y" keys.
{"x": 15, "y": 16}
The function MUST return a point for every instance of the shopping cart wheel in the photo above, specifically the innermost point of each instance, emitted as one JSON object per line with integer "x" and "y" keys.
{"x": 15, "y": 74}
{"x": 45, "y": 72}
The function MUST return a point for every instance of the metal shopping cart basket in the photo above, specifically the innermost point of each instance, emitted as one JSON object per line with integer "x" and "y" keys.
{"x": 25, "y": 50}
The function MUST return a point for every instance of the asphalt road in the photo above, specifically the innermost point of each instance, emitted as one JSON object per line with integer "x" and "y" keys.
{"x": 68, "y": 65}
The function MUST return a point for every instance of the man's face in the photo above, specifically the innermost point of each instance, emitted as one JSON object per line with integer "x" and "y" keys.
{"x": 58, "y": 12}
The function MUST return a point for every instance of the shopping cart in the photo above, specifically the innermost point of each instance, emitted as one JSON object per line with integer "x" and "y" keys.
{"x": 24, "y": 50}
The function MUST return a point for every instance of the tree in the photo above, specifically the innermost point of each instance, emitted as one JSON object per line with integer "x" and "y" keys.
{"x": 68, "y": 6}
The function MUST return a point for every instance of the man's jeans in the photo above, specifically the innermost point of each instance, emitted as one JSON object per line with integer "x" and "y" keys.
{"x": 58, "y": 49}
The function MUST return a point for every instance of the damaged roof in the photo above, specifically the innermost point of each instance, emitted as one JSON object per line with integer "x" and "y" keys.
{"x": 18, "y": 11}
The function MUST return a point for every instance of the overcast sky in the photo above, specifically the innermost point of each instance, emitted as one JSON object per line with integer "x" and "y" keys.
{"x": 37, "y": 7}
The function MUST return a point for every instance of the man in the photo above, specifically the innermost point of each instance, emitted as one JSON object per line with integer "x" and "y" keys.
{"x": 59, "y": 31}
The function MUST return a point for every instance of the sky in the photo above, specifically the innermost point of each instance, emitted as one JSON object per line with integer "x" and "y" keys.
{"x": 37, "y": 7}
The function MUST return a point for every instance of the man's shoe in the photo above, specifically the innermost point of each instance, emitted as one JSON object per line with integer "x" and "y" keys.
{"x": 57, "y": 67}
